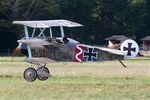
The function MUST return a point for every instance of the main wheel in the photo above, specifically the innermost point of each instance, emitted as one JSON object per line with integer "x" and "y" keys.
{"x": 30, "y": 74}
{"x": 44, "y": 73}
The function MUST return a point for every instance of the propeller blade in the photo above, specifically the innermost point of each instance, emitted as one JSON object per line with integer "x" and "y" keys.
{"x": 15, "y": 52}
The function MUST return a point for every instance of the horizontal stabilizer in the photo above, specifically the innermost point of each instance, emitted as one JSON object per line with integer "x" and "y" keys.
{"x": 112, "y": 51}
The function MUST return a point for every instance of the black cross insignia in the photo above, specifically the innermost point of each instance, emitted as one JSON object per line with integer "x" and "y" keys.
{"x": 90, "y": 54}
{"x": 129, "y": 49}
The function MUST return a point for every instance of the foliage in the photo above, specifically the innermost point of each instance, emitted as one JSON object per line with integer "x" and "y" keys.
{"x": 101, "y": 18}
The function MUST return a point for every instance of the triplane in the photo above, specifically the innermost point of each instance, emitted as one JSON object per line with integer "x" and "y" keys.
{"x": 42, "y": 49}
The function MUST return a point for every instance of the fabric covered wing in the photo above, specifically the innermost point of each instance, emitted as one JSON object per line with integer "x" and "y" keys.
{"x": 39, "y": 61}
{"x": 48, "y": 23}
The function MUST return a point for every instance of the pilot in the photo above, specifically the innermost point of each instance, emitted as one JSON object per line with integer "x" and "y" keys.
{"x": 65, "y": 40}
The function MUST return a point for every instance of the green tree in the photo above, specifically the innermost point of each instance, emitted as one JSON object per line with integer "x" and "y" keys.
{"x": 101, "y": 18}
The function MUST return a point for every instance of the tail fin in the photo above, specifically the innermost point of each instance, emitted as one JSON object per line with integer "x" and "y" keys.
{"x": 130, "y": 48}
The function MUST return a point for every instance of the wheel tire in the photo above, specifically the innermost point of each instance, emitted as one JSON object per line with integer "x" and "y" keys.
{"x": 30, "y": 74}
{"x": 43, "y": 69}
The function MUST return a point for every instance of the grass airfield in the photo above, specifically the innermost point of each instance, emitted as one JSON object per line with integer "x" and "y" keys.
{"x": 77, "y": 81}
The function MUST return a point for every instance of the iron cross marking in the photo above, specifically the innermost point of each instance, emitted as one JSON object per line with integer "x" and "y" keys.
{"x": 90, "y": 54}
{"x": 129, "y": 49}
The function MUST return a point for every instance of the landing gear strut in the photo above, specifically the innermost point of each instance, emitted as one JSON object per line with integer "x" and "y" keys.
{"x": 41, "y": 72}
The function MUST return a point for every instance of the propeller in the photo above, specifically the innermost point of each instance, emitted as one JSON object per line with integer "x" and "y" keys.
{"x": 15, "y": 51}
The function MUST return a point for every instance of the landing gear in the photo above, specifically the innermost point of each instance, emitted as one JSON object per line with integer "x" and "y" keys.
{"x": 30, "y": 74}
{"x": 43, "y": 73}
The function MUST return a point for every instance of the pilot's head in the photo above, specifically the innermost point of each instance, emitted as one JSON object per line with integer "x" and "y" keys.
{"x": 65, "y": 40}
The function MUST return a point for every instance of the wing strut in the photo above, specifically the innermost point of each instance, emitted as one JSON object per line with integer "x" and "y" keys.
{"x": 62, "y": 31}
{"x": 51, "y": 34}
{"x": 27, "y": 38}
{"x": 122, "y": 64}
{"x": 42, "y": 30}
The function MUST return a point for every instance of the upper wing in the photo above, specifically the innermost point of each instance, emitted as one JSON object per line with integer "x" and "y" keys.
{"x": 39, "y": 61}
{"x": 48, "y": 23}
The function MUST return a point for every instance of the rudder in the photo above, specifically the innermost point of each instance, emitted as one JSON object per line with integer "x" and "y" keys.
{"x": 130, "y": 48}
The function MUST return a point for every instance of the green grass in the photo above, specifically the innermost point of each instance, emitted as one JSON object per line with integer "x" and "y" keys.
{"x": 86, "y": 87}
{"x": 75, "y": 81}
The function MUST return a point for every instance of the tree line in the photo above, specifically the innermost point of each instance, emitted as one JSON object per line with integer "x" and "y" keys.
{"x": 101, "y": 18}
